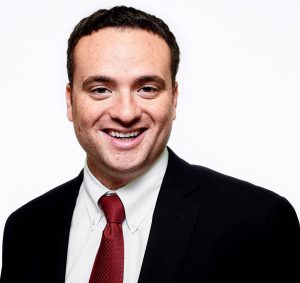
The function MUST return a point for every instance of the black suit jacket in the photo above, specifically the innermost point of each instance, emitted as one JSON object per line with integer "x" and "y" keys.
{"x": 207, "y": 227}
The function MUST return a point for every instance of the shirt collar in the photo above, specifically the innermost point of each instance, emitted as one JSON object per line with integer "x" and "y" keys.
{"x": 138, "y": 197}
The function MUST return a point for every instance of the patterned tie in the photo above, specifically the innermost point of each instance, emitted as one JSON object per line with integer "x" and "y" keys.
{"x": 109, "y": 262}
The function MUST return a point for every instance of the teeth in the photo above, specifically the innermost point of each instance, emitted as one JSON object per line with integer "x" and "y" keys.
{"x": 123, "y": 135}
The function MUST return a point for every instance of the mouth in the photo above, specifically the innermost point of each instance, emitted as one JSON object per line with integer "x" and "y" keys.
{"x": 124, "y": 135}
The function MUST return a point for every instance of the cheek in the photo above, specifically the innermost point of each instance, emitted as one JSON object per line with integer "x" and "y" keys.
{"x": 81, "y": 121}
{"x": 164, "y": 112}
{"x": 83, "y": 126}
{"x": 86, "y": 113}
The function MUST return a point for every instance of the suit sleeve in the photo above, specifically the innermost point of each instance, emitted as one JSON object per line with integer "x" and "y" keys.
{"x": 284, "y": 264}
{"x": 9, "y": 266}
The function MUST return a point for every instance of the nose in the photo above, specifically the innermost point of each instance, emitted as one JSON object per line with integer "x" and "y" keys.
{"x": 125, "y": 108}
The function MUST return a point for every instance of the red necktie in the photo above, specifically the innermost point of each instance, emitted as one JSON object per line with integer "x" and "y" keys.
{"x": 109, "y": 262}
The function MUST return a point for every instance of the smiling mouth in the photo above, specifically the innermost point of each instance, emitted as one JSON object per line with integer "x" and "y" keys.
{"x": 124, "y": 136}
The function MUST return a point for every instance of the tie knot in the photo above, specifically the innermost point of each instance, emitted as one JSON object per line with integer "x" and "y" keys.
{"x": 113, "y": 208}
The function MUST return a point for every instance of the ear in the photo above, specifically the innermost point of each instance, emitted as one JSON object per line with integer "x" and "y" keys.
{"x": 175, "y": 97}
{"x": 69, "y": 102}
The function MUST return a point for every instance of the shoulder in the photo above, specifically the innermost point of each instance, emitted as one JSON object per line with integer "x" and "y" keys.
{"x": 48, "y": 205}
{"x": 226, "y": 196}
{"x": 230, "y": 187}
{"x": 236, "y": 196}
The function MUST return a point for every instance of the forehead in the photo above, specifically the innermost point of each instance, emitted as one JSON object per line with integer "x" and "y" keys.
{"x": 121, "y": 50}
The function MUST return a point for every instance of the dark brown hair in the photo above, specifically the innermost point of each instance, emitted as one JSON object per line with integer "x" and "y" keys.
{"x": 122, "y": 16}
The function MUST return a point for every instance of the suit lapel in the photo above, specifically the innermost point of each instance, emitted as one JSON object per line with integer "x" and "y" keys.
{"x": 63, "y": 219}
{"x": 173, "y": 222}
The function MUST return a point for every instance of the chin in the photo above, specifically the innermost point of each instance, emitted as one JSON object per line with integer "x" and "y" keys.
{"x": 127, "y": 166}
{"x": 130, "y": 165}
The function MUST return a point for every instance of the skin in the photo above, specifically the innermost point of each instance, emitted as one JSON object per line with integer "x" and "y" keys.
{"x": 121, "y": 83}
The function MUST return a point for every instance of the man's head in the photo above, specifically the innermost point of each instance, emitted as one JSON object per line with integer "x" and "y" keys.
{"x": 122, "y": 94}
{"x": 122, "y": 17}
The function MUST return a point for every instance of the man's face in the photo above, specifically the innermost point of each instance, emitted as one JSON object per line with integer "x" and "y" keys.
{"x": 122, "y": 101}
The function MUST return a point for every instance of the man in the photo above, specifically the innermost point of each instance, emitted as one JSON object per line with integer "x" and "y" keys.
{"x": 137, "y": 212}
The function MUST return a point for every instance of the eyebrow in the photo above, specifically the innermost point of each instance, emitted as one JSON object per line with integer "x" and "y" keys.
{"x": 97, "y": 79}
{"x": 151, "y": 78}
{"x": 137, "y": 81}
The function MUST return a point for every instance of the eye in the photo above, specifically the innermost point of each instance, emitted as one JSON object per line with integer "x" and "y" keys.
{"x": 149, "y": 91}
{"x": 101, "y": 92}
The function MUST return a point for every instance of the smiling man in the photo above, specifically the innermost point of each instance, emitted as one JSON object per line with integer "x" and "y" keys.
{"x": 122, "y": 101}
{"x": 137, "y": 212}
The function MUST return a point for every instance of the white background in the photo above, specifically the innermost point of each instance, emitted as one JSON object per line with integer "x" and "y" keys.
{"x": 239, "y": 82}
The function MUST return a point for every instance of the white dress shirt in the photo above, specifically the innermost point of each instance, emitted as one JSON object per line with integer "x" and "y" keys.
{"x": 139, "y": 199}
